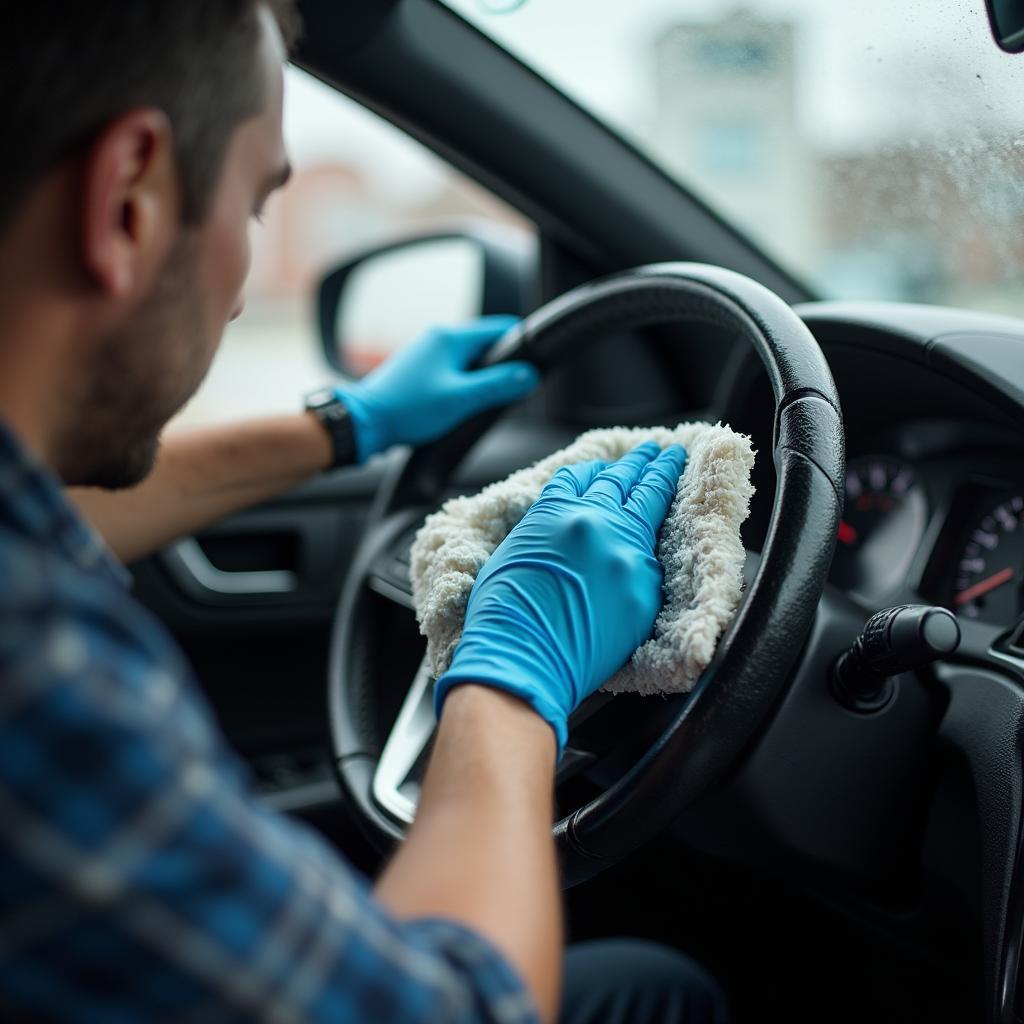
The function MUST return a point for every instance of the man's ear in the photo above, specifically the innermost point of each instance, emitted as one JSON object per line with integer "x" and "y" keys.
{"x": 131, "y": 203}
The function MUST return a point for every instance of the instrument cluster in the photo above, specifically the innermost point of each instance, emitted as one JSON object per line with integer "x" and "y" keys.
{"x": 946, "y": 531}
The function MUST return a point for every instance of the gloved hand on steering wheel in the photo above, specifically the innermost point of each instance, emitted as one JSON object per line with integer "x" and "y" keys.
{"x": 573, "y": 589}
{"x": 425, "y": 391}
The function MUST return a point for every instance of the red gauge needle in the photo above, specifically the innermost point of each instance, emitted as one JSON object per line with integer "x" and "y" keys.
{"x": 995, "y": 580}
{"x": 847, "y": 534}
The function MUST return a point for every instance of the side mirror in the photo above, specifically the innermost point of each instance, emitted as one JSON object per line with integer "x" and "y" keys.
{"x": 1007, "y": 20}
{"x": 381, "y": 300}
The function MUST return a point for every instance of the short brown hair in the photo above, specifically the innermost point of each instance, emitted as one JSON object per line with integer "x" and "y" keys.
{"x": 68, "y": 68}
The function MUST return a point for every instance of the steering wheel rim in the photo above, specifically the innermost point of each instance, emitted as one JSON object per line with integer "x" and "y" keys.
{"x": 748, "y": 675}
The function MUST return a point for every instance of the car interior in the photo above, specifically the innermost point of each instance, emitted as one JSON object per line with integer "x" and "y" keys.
{"x": 832, "y": 845}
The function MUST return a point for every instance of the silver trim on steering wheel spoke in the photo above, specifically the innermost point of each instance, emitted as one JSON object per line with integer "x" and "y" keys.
{"x": 394, "y": 788}
{"x": 389, "y": 575}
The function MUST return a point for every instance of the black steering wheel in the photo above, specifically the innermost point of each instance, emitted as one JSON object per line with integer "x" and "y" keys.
{"x": 703, "y": 735}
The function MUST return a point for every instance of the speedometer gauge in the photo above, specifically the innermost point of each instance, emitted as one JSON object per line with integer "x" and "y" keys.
{"x": 989, "y": 582}
{"x": 881, "y": 526}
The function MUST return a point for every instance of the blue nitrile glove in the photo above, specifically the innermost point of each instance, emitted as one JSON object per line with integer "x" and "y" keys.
{"x": 573, "y": 589}
{"x": 425, "y": 390}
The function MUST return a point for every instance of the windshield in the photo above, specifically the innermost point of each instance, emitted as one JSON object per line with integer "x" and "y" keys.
{"x": 874, "y": 148}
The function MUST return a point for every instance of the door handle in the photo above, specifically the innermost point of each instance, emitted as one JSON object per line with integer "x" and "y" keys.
{"x": 200, "y": 578}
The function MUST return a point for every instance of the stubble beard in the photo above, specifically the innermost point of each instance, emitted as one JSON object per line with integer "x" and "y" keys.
{"x": 139, "y": 377}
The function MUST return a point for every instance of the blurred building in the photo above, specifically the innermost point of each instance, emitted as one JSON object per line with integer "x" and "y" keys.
{"x": 927, "y": 216}
{"x": 727, "y": 121}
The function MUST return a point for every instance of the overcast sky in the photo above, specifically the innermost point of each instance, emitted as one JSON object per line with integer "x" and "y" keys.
{"x": 852, "y": 52}
{"x": 865, "y": 67}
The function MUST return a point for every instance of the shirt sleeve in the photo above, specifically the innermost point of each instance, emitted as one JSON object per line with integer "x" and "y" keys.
{"x": 140, "y": 878}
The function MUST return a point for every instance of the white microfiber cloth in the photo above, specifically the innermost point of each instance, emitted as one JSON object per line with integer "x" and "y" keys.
{"x": 699, "y": 549}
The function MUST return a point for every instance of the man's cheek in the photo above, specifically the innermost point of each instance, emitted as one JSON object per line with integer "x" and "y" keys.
{"x": 237, "y": 284}
{"x": 228, "y": 264}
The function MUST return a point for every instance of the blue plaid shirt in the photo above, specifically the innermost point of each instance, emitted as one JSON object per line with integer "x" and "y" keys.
{"x": 139, "y": 877}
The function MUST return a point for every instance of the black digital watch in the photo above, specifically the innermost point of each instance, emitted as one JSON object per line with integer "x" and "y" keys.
{"x": 333, "y": 414}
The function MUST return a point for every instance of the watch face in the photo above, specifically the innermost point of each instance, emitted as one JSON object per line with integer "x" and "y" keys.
{"x": 318, "y": 399}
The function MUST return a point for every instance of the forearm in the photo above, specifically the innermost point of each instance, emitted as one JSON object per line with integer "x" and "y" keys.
{"x": 204, "y": 474}
{"x": 480, "y": 851}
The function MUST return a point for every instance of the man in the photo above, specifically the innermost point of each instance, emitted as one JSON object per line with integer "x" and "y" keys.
{"x": 139, "y": 879}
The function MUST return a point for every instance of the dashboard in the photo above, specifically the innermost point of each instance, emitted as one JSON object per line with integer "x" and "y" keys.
{"x": 933, "y": 499}
{"x": 933, "y": 406}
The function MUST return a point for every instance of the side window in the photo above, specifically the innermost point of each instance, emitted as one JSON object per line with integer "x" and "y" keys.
{"x": 357, "y": 181}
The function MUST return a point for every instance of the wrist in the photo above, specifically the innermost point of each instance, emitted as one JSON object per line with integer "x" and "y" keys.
{"x": 320, "y": 441}
{"x": 484, "y": 724}
{"x": 512, "y": 666}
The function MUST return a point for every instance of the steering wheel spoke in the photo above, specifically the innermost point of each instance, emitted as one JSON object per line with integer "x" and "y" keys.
{"x": 399, "y": 773}
{"x": 398, "y": 776}
{"x": 396, "y": 782}
{"x": 389, "y": 574}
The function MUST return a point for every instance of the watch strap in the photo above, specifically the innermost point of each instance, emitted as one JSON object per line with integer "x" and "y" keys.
{"x": 336, "y": 419}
